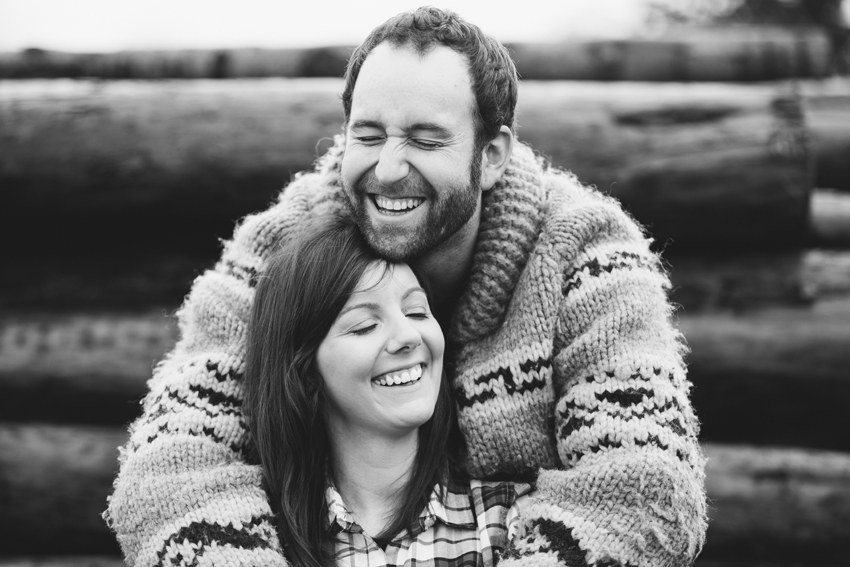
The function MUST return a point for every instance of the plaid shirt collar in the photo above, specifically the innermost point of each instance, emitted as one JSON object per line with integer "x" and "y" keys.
{"x": 453, "y": 510}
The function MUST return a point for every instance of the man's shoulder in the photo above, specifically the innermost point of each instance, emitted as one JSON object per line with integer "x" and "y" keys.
{"x": 309, "y": 193}
{"x": 321, "y": 181}
{"x": 562, "y": 193}
{"x": 579, "y": 213}
{"x": 565, "y": 192}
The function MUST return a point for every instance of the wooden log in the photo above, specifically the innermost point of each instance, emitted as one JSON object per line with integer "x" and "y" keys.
{"x": 777, "y": 505}
{"x": 742, "y": 282}
{"x": 774, "y": 376}
{"x": 93, "y": 283}
{"x": 730, "y": 53}
{"x": 826, "y": 273}
{"x": 71, "y": 561}
{"x": 176, "y": 64}
{"x": 698, "y": 163}
{"x": 79, "y": 368}
{"x": 832, "y": 211}
{"x": 54, "y": 482}
{"x": 751, "y": 370}
{"x": 125, "y": 157}
{"x": 828, "y": 118}
{"x": 767, "y": 504}
{"x": 704, "y": 165}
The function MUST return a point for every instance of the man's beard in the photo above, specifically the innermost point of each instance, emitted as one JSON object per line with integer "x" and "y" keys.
{"x": 448, "y": 211}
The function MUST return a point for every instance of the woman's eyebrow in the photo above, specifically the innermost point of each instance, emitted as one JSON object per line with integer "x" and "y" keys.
{"x": 413, "y": 290}
{"x": 372, "y": 306}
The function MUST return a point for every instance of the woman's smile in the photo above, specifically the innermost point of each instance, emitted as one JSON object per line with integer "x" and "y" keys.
{"x": 405, "y": 377}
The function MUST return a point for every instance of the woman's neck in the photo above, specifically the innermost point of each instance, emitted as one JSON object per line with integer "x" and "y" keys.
{"x": 370, "y": 473}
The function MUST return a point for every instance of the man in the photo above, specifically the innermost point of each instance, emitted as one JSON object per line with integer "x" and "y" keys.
{"x": 562, "y": 356}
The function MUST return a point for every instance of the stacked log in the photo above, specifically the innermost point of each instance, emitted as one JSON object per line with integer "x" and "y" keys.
{"x": 828, "y": 113}
{"x": 729, "y": 53}
{"x": 55, "y": 481}
{"x": 710, "y": 166}
{"x": 766, "y": 311}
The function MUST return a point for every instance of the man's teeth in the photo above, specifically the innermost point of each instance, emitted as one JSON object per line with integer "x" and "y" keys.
{"x": 397, "y": 204}
{"x": 400, "y": 377}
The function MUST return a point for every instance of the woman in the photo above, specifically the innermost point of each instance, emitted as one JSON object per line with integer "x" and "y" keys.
{"x": 352, "y": 419}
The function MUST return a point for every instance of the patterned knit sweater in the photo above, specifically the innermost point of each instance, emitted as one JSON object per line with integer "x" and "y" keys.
{"x": 565, "y": 361}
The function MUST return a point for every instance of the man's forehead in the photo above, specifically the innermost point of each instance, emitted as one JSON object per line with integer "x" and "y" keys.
{"x": 394, "y": 79}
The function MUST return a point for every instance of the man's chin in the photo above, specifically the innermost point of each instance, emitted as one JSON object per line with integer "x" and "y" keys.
{"x": 393, "y": 242}
{"x": 392, "y": 249}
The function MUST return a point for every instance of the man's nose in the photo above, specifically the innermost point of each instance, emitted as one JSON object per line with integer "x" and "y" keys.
{"x": 404, "y": 337}
{"x": 392, "y": 163}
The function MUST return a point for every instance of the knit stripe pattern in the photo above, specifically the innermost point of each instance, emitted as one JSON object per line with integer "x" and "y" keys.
{"x": 565, "y": 363}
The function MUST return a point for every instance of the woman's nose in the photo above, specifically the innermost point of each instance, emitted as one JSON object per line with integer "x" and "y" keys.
{"x": 404, "y": 337}
{"x": 392, "y": 164}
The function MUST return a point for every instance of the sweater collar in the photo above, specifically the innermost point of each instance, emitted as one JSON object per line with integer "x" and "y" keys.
{"x": 511, "y": 215}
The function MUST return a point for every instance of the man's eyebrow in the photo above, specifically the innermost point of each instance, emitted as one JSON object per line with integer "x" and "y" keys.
{"x": 431, "y": 127}
{"x": 367, "y": 124}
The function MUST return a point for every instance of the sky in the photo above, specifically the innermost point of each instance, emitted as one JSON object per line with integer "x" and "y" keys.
{"x": 114, "y": 25}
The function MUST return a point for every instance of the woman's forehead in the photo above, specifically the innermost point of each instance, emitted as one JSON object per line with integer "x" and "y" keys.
{"x": 380, "y": 277}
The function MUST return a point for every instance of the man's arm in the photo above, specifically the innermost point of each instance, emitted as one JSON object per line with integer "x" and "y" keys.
{"x": 631, "y": 489}
{"x": 185, "y": 491}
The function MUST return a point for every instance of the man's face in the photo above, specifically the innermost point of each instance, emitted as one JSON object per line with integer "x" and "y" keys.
{"x": 409, "y": 167}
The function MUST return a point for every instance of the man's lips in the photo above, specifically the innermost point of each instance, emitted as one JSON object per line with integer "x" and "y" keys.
{"x": 395, "y": 204}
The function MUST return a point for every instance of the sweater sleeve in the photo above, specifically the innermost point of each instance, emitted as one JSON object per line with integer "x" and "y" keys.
{"x": 186, "y": 493}
{"x": 631, "y": 488}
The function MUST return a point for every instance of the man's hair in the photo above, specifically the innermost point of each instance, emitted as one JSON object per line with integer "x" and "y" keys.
{"x": 491, "y": 69}
{"x": 305, "y": 286}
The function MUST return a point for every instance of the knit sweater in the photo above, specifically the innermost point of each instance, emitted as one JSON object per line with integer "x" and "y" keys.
{"x": 565, "y": 361}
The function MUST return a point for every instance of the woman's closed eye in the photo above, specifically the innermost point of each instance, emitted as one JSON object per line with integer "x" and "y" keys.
{"x": 363, "y": 329}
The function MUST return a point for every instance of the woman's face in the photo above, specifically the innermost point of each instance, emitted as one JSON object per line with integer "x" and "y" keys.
{"x": 382, "y": 359}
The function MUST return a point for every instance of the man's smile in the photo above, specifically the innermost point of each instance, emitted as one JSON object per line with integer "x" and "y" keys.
{"x": 396, "y": 205}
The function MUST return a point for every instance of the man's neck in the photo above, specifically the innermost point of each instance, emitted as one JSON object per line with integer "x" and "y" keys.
{"x": 448, "y": 265}
{"x": 369, "y": 473}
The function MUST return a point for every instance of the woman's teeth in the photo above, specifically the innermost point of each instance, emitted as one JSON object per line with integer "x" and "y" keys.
{"x": 400, "y": 377}
{"x": 397, "y": 204}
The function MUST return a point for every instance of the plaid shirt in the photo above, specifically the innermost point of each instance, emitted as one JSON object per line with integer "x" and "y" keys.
{"x": 465, "y": 530}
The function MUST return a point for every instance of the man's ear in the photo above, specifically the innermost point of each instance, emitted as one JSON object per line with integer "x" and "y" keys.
{"x": 496, "y": 155}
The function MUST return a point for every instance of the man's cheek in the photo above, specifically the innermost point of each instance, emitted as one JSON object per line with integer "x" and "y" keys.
{"x": 352, "y": 171}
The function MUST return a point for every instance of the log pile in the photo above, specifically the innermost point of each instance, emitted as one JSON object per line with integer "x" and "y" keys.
{"x": 709, "y": 166}
{"x": 757, "y": 237}
{"x": 725, "y": 53}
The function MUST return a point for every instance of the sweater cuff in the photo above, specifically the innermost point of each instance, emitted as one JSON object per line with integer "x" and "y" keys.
{"x": 545, "y": 543}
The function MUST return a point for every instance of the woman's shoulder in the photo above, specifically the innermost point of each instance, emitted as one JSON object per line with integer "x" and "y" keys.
{"x": 497, "y": 488}
{"x": 488, "y": 496}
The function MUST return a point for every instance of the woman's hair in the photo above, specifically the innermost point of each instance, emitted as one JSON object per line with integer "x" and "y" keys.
{"x": 305, "y": 286}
